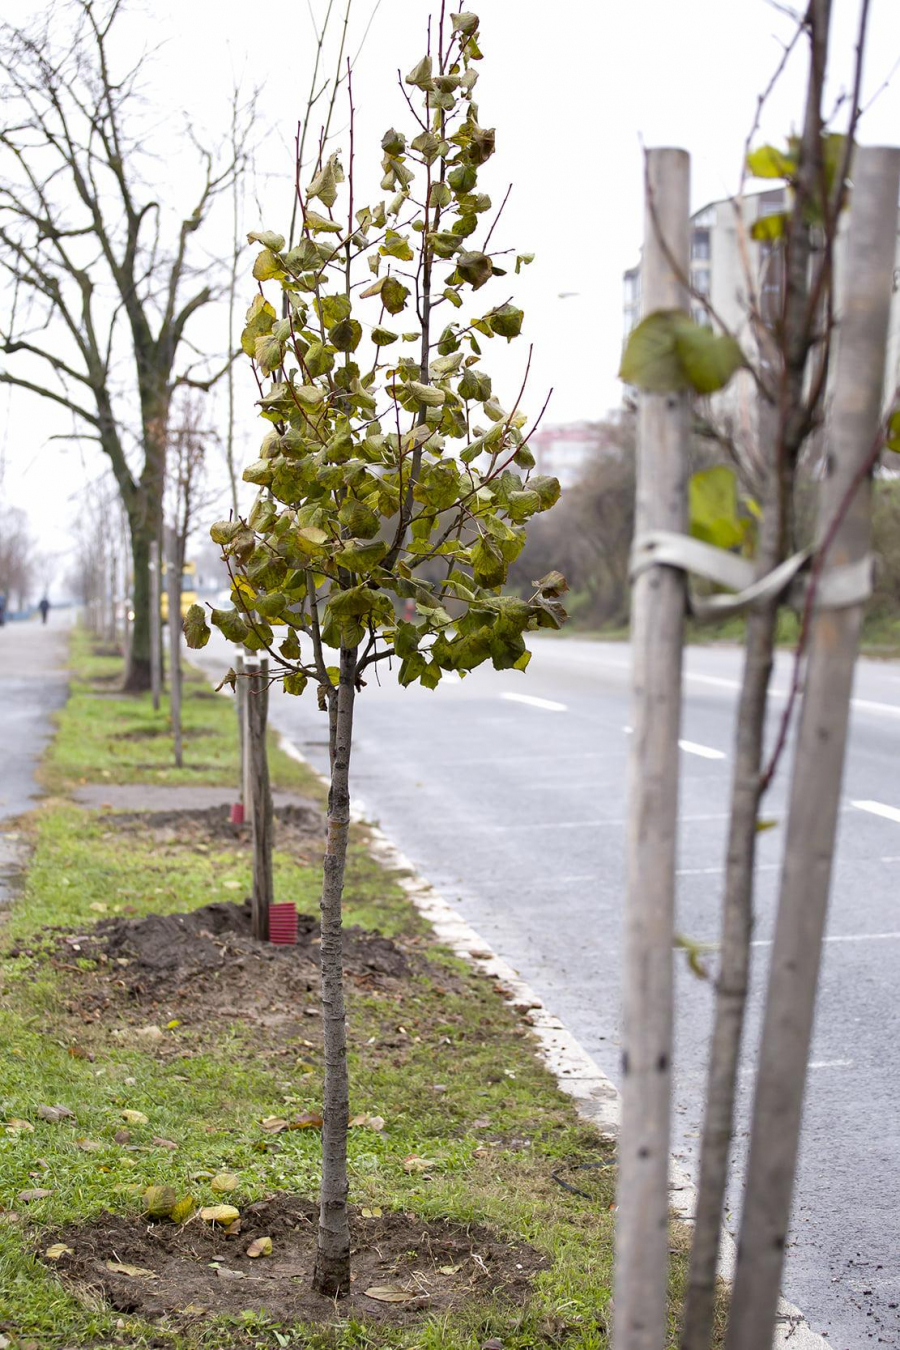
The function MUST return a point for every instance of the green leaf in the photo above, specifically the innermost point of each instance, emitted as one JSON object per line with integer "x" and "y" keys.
{"x": 713, "y": 500}
{"x": 361, "y": 556}
{"x": 295, "y": 682}
{"x": 260, "y": 319}
{"x": 267, "y": 266}
{"x": 466, "y": 22}
{"x": 506, "y": 321}
{"x": 359, "y": 519}
{"x": 383, "y": 337}
{"x": 346, "y": 335}
{"x": 769, "y": 229}
{"x": 324, "y": 185}
{"x": 396, "y": 246}
{"x": 892, "y": 441}
{"x": 230, "y": 624}
{"x": 427, "y": 394}
{"x": 420, "y": 75}
{"x": 767, "y": 162}
{"x": 522, "y": 260}
{"x": 196, "y": 629}
{"x": 321, "y": 224}
{"x": 267, "y": 238}
{"x": 393, "y": 295}
{"x": 667, "y": 351}
{"x": 475, "y": 268}
{"x": 318, "y": 359}
{"x": 393, "y": 142}
{"x": 223, "y": 531}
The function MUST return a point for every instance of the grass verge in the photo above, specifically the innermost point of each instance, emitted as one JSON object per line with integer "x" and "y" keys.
{"x": 446, "y": 1063}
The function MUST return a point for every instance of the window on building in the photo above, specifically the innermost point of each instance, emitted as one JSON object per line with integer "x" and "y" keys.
{"x": 700, "y": 280}
{"x": 700, "y": 245}
{"x": 699, "y": 315}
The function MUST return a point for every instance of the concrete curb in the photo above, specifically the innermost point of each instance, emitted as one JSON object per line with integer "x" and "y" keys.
{"x": 577, "y": 1074}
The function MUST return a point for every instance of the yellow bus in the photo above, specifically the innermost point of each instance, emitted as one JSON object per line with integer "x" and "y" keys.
{"x": 188, "y": 593}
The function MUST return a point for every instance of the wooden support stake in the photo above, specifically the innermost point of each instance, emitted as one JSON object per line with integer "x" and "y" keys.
{"x": 173, "y": 586}
{"x": 240, "y": 695}
{"x": 819, "y": 758}
{"x": 257, "y": 699}
{"x": 657, "y": 633}
{"x": 155, "y": 632}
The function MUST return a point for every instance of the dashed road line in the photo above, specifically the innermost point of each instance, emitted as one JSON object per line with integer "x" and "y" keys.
{"x": 548, "y": 704}
{"x": 879, "y": 809}
{"x": 704, "y": 751}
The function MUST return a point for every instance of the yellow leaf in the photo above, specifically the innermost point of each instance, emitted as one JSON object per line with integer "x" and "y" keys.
{"x": 274, "y": 1124}
{"x": 223, "y": 1214}
{"x": 261, "y": 1246}
{"x": 57, "y": 1250}
{"x": 16, "y": 1126}
{"x": 134, "y": 1117}
{"x": 224, "y": 1181}
{"x": 182, "y": 1210}
{"x": 414, "y": 1163}
{"x": 391, "y": 1293}
{"x": 447, "y": 1270}
{"x": 136, "y": 1272}
{"x": 373, "y": 1213}
{"x": 170, "y": 1026}
{"x": 98, "y": 907}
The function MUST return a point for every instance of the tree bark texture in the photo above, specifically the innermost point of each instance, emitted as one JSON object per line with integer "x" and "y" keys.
{"x": 257, "y": 697}
{"x": 657, "y": 629}
{"x": 818, "y": 761}
{"x": 332, "y": 1273}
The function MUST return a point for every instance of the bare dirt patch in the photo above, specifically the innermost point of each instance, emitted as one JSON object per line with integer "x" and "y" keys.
{"x": 196, "y": 1269}
{"x": 205, "y": 967}
{"x": 297, "y": 825}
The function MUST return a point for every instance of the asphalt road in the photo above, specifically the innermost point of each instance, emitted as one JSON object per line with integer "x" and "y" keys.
{"x": 33, "y": 684}
{"x": 508, "y": 792}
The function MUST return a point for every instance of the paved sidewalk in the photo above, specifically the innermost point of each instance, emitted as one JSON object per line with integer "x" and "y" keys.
{"x": 33, "y": 684}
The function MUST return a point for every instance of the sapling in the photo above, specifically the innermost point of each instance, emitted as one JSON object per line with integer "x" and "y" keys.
{"x": 391, "y": 479}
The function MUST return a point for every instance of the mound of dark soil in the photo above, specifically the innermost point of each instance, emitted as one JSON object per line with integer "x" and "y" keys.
{"x": 185, "y": 1272}
{"x": 205, "y": 967}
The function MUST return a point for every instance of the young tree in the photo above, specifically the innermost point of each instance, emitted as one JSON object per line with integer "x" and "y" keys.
{"x": 91, "y": 272}
{"x": 378, "y": 463}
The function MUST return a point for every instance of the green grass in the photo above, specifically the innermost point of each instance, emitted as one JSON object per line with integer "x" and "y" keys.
{"x": 446, "y": 1027}
{"x": 105, "y": 737}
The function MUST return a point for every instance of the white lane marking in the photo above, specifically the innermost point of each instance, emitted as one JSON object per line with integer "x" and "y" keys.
{"x": 879, "y": 809}
{"x": 831, "y": 1064}
{"x": 864, "y": 704}
{"x": 717, "y": 871}
{"x": 704, "y": 751}
{"x": 869, "y": 705}
{"x": 546, "y": 703}
{"x": 585, "y": 824}
{"x": 841, "y": 937}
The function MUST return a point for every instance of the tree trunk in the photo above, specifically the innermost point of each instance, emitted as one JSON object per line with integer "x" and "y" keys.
{"x": 155, "y": 624}
{"x": 657, "y": 635}
{"x": 257, "y": 696}
{"x": 173, "y": 581}
{"x": 137, "y": 672}
{"x": 332, "y": 1272}
{"x": 819, "y": 759}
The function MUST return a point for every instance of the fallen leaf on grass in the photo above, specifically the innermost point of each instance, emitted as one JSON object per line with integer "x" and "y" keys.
{"x": 261, "y": 1246}
{"x": 448, "y": 1270}
{"x": 413, "y": 1163}
{"x": 310, "y": 1120}
{"x": 391, "y": 1293}
{"x": 183, "y": 1210}
{"x": 374, "y": 1213}
{"x": 88, "y": 1145}
{"x": 151, "y": 1033}
{"x": 224, "y": 1182}
{"x": 57, "y": 1250}
{"x": 136, "y": 1272}
{"x": 223, "y": 1214}
{"x": 159, "y": 1201}
{"x": 98, "y": 907}
{"x": 492, "y": 1344}
{"x": 16, "y": 1126}
{"x": 134, "y": 1117}
{"x": 367, "y": 1121}
{"x": 122, "y": 1137}
{"x": 273, "y": 1124}
{"x": 79, "y": 1052}
{"x": 170, "y": 1026}
{"x": 160, "y": 1142}
{"x": 233, "y": 1229}
{"x": 225, "y": 1274}
{"x": 55, "y": 1113}
{"x": 39, "y": 1193}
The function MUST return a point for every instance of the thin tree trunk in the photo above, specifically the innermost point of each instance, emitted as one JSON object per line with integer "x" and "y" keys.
{"x": 154, "y": 624}
{"x": 657, "y": 633}
{"x": 173, "y": 583}
{"x": 239, "y": 696}
{"x": 819, "y": 760}
{"x": 257, "y": 695}
{"x": 332, "y": 1272}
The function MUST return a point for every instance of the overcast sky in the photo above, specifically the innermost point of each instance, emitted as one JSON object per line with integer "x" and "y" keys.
{"x": 572, "y": 86}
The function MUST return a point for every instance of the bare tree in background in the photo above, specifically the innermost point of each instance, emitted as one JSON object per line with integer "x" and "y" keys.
{"x": 19, "y": 564}
{"x": 94, "y": 270}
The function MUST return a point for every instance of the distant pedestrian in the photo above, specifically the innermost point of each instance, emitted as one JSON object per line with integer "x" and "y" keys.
{"x": 44, "y": 607}
{"x": 2, "y": 609}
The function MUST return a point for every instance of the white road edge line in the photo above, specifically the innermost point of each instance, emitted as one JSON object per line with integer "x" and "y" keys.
{"x": 704, "y": 751}
{"x": 577, "y": 1074}
{"x": 533, "y": 701}
{"x": 879, "y": 809}
{"x": 840, "y": 937}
